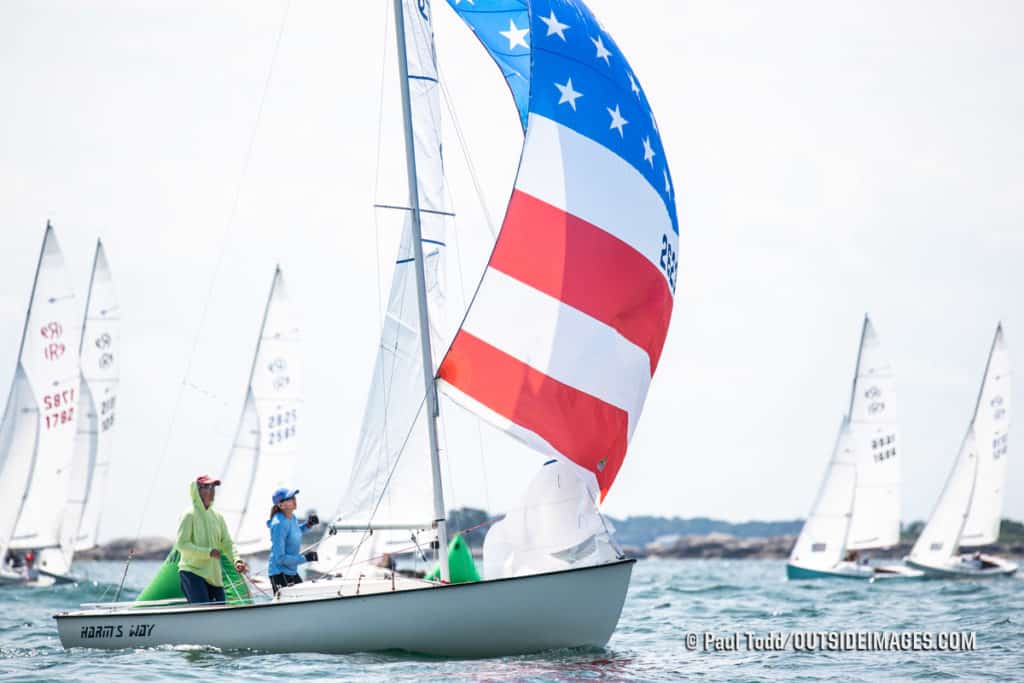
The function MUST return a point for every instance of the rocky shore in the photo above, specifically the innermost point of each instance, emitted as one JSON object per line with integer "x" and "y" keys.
{"x": 148, "y": 548}
{"x": 714, "y": 545}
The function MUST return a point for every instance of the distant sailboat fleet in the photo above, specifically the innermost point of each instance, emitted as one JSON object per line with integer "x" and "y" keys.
{"x": 555, "y": 352}
{"x": 858, "y": 505}
{"x": 57, "y": 430}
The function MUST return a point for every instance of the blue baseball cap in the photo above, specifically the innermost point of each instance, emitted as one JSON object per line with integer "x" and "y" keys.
{"x": 284, "y": 493}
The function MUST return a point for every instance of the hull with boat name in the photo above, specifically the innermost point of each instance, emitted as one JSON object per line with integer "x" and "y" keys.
{"x": 572, "y": 608}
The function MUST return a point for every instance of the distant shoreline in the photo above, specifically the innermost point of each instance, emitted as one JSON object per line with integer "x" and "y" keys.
{"x": 647, "y": 537}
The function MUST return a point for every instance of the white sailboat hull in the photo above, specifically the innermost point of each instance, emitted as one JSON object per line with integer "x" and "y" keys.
{"x": 957, "y": 568}
{"x": 852, "y": 570}
{"x": 572, "y": 608}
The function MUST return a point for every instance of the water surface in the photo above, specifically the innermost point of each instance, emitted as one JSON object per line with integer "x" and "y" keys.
{"x": 667, "y": 600}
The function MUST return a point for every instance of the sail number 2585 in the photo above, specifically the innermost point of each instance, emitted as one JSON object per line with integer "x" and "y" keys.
{"x": 668, "y": 262}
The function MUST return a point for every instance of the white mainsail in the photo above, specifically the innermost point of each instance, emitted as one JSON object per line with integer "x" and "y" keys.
{"x": 99, "y": 355}
{"x": 39, "y": 423}
{"x": 871, "y": 432}
{"x": 858, "y": 505}
{"x": 969, "y": 509}
{"x": 266, "y": 441}
{"x": 991, "y": 424}
{"x": 390, "y": 482}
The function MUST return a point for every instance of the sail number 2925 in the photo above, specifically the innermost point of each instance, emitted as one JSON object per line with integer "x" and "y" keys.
{"x": 668, "y": 262}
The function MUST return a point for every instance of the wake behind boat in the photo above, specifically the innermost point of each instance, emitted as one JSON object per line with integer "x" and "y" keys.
{"x": 556, "y": 358}
{"x": 969, "y": 509}
{"x": 858, "y": 506}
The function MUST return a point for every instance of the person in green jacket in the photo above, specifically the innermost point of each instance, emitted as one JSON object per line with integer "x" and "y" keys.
{"x": 202, "y": 538}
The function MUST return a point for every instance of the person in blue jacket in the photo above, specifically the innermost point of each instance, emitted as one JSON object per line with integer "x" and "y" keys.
{"x": 286, "y": 540}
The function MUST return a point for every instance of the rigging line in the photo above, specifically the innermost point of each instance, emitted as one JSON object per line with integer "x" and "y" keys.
{"x": 213, "y": 280}
{"x": 464, "y": 146}
{"x": 380, "y": 497}
{"x": 376, "y": 222}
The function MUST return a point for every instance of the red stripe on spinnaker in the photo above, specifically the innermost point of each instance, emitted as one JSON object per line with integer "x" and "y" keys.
{"x": 587, "y": 268}
{"x": 585, "y": 429}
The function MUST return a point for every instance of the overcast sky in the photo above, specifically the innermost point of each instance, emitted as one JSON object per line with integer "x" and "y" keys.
{"x": 831, "y": 159}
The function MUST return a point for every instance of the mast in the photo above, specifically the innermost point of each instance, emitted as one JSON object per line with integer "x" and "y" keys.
{"x": 984, "y": 374}
{"x": 429, "y": 383}
{"x": 856, "y": 369}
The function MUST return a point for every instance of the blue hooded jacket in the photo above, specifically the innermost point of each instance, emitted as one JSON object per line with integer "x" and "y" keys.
{"x": 285, "y": 542}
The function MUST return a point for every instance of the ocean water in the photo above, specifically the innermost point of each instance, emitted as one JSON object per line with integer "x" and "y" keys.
{"x": 668, "y": 601}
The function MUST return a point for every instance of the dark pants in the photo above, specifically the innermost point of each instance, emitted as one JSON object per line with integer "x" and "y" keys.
{"x": 282, "y": 580}
{"x": 197, "y": 591}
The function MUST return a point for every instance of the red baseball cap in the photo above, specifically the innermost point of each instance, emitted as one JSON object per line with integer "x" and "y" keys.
{"x": 207, "y": 479}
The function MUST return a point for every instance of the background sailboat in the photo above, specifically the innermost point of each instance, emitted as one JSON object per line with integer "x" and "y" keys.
{"x": 858, "y": 506}
{"x": 38, "y": 431}
{"x": 266, "y": 441}
{"x": 556, "y": 352}
{"x": 968, "y": 512}
{"x": 99, "y": 354}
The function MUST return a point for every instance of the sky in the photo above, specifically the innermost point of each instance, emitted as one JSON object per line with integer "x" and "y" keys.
{"x": 830, "y": 160}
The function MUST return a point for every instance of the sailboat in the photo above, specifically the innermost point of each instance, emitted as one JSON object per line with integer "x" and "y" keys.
{"x": 97, "y": 398}
{"x": 266, "y": 440}
{"x": 99, "y": 357}
{"x": 37, "y": 436}
{"x": 556, "y": 351}
{"x": 858, "y": 505}
{"x": 969, "y": 510}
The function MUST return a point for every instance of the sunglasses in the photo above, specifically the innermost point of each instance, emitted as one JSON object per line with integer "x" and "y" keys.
{"x": 207, "y": 487}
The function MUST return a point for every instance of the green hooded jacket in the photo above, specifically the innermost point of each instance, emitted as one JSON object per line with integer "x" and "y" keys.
{"x": 201, "y": 530}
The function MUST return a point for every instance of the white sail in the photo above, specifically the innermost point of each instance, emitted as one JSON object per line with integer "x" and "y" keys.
{"x": 390, "y": 481}
{"x": 991, "y": 425}
{"x": 858, "y": 505}
{"x": 39, "y": 425}
{"x": 266, "y": 442}
{"x": 939, "y": 540}
{"x": 99, "y": 356}
{"x": 822, "y": 540}
{"x": 556, "y": 526}
{"x": 871, "y": 431}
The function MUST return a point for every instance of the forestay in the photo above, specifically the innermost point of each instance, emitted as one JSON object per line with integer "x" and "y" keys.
{"x": 99, "y": 355}
{"x": 39, "y": 423}
{"x": 266, "y": 441}
{"x": 568, "y": 323}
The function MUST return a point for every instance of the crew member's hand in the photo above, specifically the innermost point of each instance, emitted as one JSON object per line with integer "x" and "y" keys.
{"x": 312, "y": 521}
{"x": 215, "y": 553}
{"x": 241, "y": 567}
{"x": 311, "y": 556}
